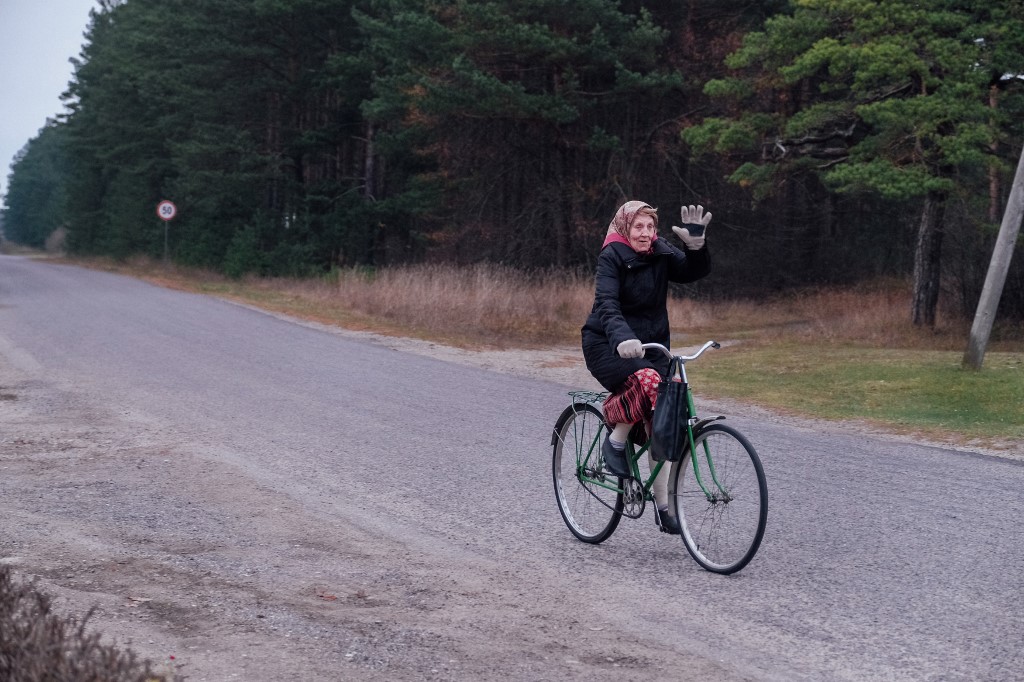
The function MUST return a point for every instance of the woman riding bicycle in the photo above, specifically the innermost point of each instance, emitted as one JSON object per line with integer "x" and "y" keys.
{"x": 633, "y": 272}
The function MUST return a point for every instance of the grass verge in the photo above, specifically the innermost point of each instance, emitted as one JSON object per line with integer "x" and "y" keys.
{"x": 912, "y": 391}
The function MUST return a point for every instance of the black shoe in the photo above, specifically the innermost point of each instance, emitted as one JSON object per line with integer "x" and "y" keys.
{"x": 666, "y": 522}
{"x": 614, "y": 460}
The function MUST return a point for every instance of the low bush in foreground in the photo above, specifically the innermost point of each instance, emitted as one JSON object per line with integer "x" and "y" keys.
{"x": 37, "y": 645}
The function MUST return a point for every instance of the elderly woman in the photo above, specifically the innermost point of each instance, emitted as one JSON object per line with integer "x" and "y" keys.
{"x": 633, "y": 272}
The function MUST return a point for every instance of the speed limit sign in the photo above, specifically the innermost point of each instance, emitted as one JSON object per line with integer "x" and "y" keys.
{"x": 166, "y": 210}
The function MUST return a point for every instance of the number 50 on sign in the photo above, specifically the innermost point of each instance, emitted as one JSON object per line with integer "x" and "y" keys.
{"x": 166, "y": 210}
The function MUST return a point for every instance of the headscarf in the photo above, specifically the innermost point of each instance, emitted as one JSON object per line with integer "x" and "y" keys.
{"x": 618, "y": 228}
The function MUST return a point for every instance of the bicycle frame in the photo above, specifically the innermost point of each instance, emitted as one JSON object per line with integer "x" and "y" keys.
{"x": 635, "y": 454}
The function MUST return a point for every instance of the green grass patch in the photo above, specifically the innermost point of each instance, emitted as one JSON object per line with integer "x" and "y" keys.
{"x": 912, "y": 390}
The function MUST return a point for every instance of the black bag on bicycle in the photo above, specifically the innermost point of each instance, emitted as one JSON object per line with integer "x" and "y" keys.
{"x": 671, "y": 412}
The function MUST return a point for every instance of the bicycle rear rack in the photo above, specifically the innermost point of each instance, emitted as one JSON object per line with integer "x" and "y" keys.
{"x": 589, "y": 397}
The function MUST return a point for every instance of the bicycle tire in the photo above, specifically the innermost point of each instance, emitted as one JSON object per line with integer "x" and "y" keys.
{"x": 722, "y": 523}
{"x": 590, "y": 511}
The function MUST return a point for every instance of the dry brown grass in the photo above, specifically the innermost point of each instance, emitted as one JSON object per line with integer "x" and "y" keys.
{"x": 503, "y": 306}
{"x": 482, "y": 305}
{"x": 489, "y": 304}
{"x": 875, "y": 315}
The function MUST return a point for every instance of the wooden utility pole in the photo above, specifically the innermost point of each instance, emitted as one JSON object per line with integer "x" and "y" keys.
{"x": 997, "y": 269}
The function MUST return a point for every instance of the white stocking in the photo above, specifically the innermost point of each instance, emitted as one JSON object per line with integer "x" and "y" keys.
{"x": 660, "y": 487}
{"x": 620, "y": 433}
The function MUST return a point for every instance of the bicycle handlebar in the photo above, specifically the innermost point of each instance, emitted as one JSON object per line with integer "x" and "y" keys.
{"x": 684, "y": 358}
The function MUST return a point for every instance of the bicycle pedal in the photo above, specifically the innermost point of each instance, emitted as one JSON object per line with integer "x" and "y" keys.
{"x": 666, "y": 523}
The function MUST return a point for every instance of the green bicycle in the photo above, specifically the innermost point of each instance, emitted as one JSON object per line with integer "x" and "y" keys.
{"x": 717, "y": 489}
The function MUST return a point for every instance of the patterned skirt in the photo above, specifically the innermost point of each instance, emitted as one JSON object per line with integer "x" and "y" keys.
{"x": 634, "y": 403}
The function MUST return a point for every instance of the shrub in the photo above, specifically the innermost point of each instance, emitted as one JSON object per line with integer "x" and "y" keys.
{"x": 36, "y": 645}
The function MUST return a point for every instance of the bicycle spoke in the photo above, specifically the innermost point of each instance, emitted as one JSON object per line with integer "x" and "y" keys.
{"x": 590, "y": 502}
{"x": 723, "y": 514}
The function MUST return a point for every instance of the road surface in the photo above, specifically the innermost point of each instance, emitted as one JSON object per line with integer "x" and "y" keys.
{"x": 264, "y": 500}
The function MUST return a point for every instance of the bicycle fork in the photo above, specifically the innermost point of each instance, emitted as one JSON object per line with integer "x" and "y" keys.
{"x": 711, "y": 497}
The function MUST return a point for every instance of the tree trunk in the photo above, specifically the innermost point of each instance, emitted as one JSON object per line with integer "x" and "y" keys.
{"x": 927, "y": 260}
{"x": 369, "y": 165}
{"x": 558, "y": 215}
{"x": 994, "y": 190}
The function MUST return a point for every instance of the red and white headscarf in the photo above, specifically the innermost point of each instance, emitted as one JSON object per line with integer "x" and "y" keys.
{"x": 618, "y": 228}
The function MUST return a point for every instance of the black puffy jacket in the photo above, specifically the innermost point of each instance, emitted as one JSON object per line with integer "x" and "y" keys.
{"x": 630, "y": 303}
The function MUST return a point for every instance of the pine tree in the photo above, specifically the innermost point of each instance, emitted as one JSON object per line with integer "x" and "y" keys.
{"x": 36, "y": 189}
{"x": 889, "y": 97}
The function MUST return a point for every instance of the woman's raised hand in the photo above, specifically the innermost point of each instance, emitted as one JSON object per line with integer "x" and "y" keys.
{"x": 694, "y": 221}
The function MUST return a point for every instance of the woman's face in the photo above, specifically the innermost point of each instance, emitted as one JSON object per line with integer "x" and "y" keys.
{"x": 641, "y": 233}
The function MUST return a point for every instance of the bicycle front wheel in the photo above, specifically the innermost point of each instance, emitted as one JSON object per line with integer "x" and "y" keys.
{"x": 589, "y": 498}
{"x": 722, "y": 503}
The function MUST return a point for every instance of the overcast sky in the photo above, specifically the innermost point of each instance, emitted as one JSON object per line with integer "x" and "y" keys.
{"x": 37, "y": 37}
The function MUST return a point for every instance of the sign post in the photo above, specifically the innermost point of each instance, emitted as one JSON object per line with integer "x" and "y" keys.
{"x": 166, "y": 210}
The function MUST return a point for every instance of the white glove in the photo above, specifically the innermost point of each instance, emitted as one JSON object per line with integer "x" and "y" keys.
{"x": 630, "y": 349}
{"x": 694, "y": 221}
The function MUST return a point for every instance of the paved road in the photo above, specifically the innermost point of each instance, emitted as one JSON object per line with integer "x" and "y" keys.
{"x": 289, "y": 452}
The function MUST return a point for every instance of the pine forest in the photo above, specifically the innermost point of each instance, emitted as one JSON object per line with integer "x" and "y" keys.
{"x": 835, "y": 141}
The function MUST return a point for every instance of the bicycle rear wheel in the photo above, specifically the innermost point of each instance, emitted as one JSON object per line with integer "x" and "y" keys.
{"x": 723, "y": 513}
{"x": 589, "y": 499}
